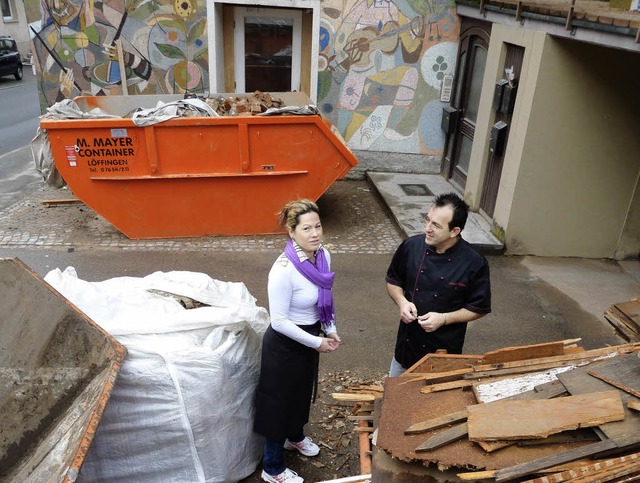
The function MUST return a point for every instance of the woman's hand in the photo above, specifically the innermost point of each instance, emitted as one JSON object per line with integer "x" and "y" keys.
{"x": 329, "y": 344}
{"x": 336, "y": 338}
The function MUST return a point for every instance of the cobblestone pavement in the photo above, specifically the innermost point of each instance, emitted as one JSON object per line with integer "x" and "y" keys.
{"x": 355, "y": 221}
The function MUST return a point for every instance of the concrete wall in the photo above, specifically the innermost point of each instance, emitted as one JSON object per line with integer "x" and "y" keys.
{"x": 569, "y": 181}
{"x": 580, "y": 163}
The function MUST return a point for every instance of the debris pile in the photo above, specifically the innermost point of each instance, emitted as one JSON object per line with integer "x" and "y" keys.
{"x": 518, "y": 413}
{"x": 625, "y": 319}
{"x": 250, "y": 105}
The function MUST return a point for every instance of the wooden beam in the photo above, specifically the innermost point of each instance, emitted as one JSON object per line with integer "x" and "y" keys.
{"x": 352, "y": 397}
{"x": 443, "y": 438}
{"x": 523, "y": 352}
{"x": 477, "y": 475}
{"x": 446, "y": 386}
{"x": 438, "y": 422}
{"x": 518, "y": 471}
{"x": 557, "y": 361}
{"x": 65, "y": 201}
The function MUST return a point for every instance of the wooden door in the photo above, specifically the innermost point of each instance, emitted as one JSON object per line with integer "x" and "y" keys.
{"x": 472, "y": 57}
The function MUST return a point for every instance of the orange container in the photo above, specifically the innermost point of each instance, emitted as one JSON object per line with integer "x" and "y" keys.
{"x": 195, "y": 176}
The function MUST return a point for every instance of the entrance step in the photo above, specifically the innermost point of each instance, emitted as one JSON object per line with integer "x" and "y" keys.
{"x": 409, "y": 197}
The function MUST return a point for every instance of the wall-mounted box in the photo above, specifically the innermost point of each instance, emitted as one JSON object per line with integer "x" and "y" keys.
{"x": 498, "y": 138}
{"x": 508, "y": 99}
{"x": 498, "y": 93}
{"x": 450, "y": 117}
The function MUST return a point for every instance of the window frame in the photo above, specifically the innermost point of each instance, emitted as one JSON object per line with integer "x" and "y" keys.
{"x": 295, "y": 16}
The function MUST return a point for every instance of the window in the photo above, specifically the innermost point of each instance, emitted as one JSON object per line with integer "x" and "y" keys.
{"x": 267, "y": 49}
{"x": 7, "y": 11}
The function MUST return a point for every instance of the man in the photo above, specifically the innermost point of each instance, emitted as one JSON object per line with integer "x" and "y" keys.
{"x": 439, "y": 283}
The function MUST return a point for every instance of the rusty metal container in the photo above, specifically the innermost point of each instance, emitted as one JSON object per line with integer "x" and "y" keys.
{"x": 57, "y": 371}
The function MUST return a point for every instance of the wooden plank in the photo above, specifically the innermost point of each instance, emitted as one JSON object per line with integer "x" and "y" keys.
{"x": 520, "y": 387}
{"x": 360, "y": 418}
{"x": 518, "y": 471}
{"x": 351, "y": 397}
{"x": 621, "y": 328}
{"x": 622, "y": 319}
{"x": 551, "y": 389}
{"x": 442, "y": 363}
{"x": 446, "y": 386}
{"x": 622, "y": 372}
{"x": 518, "y": 353}
{"x": 625, "y": 432}
{"x": 438, "y": 377}
{"x": 631, "y": 310}
{"x": 633, "y": 404}
{"x": 570, "y": 358}
{"x": 445, "y": 437}
{"x": 559, "y": 438}
{"x": 477, "y": 475}
{"x": 436, "y": 423}
{"x": 591, "y": 470}
{"x": 64, "y": 201}
{"x": 508, "y": 420}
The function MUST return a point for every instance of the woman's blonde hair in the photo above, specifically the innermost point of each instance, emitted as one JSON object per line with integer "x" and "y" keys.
{"x": 291, "y": 212}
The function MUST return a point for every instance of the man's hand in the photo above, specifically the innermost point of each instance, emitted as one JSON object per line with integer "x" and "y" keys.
{"x": 432, "y": 321}
{"x": 408, "y": 312}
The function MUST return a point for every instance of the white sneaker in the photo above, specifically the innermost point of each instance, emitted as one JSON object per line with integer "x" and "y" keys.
{"x": 306, "y": 446}
{"x": 287, "y": 476}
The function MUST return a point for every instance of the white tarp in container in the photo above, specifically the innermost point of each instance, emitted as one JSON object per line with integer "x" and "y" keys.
{"x": 182, "y": 406}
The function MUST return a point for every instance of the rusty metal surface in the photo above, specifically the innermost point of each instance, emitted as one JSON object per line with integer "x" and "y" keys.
{"x": 57, "y": 370}
{"x": 404, "y": 405}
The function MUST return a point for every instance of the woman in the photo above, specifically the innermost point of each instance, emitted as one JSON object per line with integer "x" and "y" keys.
{"x": 302, "y": 326}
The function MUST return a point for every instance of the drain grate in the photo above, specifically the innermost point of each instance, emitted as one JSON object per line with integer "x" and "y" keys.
{"x": 416, "y": 190}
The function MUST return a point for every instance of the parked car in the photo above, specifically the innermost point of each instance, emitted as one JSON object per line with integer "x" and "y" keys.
{"x": 10, "y": 62}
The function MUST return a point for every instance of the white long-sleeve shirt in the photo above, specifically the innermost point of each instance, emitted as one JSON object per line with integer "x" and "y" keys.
{"x": 293, "y": 301}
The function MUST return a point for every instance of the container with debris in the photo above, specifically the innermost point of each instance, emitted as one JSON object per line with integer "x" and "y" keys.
{"x": 190, "y": 173}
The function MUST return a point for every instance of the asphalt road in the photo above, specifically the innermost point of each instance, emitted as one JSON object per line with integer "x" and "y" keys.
{"x": 19, "y": 111}
{"x": 19, "y": 117}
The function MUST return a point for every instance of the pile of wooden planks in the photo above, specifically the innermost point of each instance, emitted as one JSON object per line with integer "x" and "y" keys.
{"x": 527, "y": 410}
{"x": 365, "y": 397}
{"x": 625, "y": 319}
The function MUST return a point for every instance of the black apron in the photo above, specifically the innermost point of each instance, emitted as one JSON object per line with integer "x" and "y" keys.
{"x": 288, "y": 378}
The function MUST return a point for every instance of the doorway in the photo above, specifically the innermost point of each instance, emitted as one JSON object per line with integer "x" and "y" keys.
{"x": 472, "y": 58}
{"x": 513, "y": 64}
{"x": 267, "y": 53}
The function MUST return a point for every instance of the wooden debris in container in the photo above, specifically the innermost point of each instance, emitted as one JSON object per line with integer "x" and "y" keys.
{"x": 252, "y": 104}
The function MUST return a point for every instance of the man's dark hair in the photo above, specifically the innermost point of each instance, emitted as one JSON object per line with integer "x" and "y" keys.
{"x": 459, "y": 207}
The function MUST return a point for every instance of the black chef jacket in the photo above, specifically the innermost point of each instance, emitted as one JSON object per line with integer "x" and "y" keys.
{"x": 437, "y": 282}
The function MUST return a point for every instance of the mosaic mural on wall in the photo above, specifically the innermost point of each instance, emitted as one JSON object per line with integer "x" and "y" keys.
{"x": 163, "y": 42}
{"x": 381, "y": 69}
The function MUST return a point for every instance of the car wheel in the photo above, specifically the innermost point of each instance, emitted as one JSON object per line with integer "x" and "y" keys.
{"x": 18, "y": 73}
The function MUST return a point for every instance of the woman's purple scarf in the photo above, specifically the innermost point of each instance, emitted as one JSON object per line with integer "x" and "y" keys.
{"x": 318, "y": 274}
